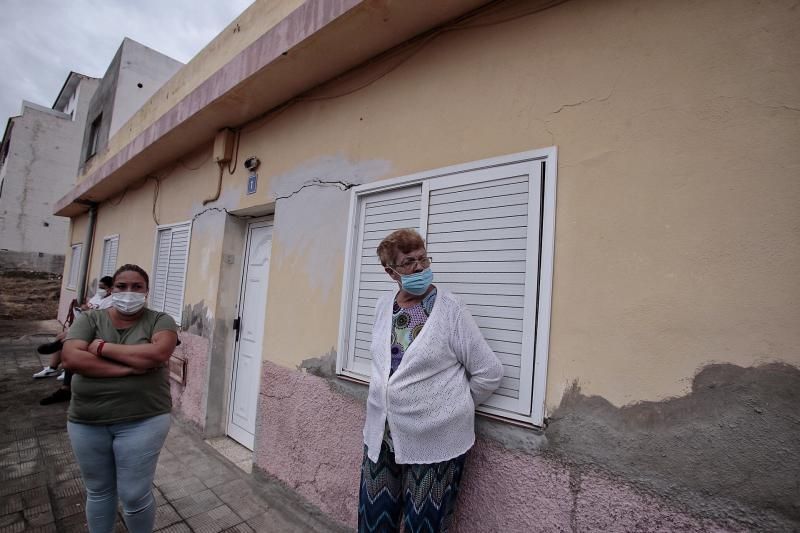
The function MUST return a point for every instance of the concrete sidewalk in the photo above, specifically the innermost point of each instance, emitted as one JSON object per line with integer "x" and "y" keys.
{"x": 196, "y": 488}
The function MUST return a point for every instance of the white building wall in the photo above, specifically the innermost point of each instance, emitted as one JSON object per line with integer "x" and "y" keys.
{"x": 143, "y": 66}
{"x": 40, "y": 168}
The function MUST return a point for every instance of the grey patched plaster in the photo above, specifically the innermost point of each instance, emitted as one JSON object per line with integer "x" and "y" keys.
{"x": 196, "y": 319}
{"x": 325, "y": 367}
{"x": 729, "y": 450}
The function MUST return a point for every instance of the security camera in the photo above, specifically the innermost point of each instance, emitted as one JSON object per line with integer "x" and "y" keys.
{"x": 251, "y": 163}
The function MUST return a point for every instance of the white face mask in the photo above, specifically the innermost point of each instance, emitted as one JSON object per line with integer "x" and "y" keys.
{"x": 128, "y": 303}
{"x": 101, "y": 293}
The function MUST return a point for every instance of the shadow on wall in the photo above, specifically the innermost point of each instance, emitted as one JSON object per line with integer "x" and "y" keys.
{"x": 728, "y": 450}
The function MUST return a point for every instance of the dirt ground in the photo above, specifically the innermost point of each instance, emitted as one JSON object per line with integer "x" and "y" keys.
{"x": 29, "y": 295}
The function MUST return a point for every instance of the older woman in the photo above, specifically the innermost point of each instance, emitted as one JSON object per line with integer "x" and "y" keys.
{"x": 430, "y": 368}
{"x": 119, "y": 413}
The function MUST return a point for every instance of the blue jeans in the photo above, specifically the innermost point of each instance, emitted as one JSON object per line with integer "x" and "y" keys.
{"x": 119, "y": 460}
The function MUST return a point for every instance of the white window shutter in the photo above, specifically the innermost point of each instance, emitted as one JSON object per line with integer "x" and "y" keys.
{"x": 176, "y": 277}
{"x": 489, "y": 227}
{"x": 379, "y": 214}
{"x": 110, "y": 249}
{"x": 74, "y": 266}
{"x": 160, "y": 271}
{"x": 483, "y": 236}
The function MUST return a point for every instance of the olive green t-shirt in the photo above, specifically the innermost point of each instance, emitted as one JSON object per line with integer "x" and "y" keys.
{"x": 111, "y": 400}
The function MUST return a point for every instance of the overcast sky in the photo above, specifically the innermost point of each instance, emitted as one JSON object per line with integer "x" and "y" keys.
{"x": 41, "y": 41}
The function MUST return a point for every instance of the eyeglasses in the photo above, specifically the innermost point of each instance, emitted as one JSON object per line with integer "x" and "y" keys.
{"x": 410, "y": 264}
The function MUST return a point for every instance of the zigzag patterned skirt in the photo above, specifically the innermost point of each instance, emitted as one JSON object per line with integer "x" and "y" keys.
{"x": 421, "y": 497}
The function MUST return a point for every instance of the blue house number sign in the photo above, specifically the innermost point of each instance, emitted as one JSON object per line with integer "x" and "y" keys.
{"x": 252, "y": 183}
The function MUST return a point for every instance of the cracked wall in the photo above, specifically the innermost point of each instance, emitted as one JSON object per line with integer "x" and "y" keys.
{"x": 676, "y": 249}
{"x": 665, "y": 260}
{"x": 666, "y": 265}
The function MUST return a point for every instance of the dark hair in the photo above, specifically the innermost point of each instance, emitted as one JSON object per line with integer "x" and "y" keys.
{"x": 108, "y": 281}
{"x": 132, "y": 268}
{"x": 402, "y": 240}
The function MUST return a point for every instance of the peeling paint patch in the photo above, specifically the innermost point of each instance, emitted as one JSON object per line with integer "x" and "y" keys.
{"x": 729, "y": 450}
{"x": 329, "y": 168}
{"x": 324, "y": 367}
{"x": 197, "y": 319}
{"x": 313, "y": 221}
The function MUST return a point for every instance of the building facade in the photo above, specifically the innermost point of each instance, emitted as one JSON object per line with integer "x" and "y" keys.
{"x": 135, "y": 73}
{"x": 608, "y": 185}
{"x": 38, "y": 163}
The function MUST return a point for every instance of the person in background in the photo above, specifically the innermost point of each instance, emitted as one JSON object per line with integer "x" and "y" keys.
{"x": 431, "y": 367}
{"x": 100, "y": 300}
{"x": 119, "y": 415}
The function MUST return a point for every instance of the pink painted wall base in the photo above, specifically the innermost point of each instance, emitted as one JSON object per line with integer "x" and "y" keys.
{"x": 189, "y": 399}
{"x": 309, "y": 436}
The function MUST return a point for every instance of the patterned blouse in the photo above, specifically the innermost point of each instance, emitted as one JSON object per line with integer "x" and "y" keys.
{"x": 406, "y": 325}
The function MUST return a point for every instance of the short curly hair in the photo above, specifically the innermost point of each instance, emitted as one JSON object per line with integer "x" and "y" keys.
{"x": 133, "y": 268}
{"x": 401, "y": 241}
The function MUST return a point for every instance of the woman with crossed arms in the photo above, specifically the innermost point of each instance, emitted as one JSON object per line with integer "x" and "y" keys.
{"x": 119, "y": 418}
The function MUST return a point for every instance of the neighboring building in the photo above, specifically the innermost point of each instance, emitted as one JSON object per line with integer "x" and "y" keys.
{"x": 134, "y": 75}
{"x": 647, "y": 317}
{"x": 39, "y": 158}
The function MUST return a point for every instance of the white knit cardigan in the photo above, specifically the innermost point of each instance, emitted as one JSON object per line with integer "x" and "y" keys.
{"x": 430, "y": 399}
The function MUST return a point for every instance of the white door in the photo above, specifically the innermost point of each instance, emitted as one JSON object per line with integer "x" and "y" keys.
{"x": 247, "y": 354}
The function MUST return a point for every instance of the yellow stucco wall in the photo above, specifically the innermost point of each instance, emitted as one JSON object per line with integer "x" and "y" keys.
{"x": 677, "y": 219}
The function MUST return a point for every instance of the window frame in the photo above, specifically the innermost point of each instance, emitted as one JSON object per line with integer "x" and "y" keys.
{"x": 106, "y": 240}
{"x": 94, "y": 136}
{"x": 154, "y": 272}
{"x": 74, "y": 270}
{"x": 543, "y": 305}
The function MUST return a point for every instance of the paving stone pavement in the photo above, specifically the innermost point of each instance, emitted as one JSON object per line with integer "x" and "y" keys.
{"x": 196, "y": 488}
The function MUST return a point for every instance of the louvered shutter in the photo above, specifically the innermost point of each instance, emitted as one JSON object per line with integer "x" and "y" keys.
{"x": 172, "y": 252}
{"x": 110, "y": 248}
{"x": 176, "y": 277}
{"x": 489, "y": 227}
{"x": 378, "y": 215}
{"x": 158, "y": 291}
{"x": 483, "y": 236}
{"x": 74, "y": 265}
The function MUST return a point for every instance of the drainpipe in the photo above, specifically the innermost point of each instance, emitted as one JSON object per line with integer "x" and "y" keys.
{"x": 88, "y": 242}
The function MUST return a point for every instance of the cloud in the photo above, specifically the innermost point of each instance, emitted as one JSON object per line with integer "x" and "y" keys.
{"x": 41, "y": 41}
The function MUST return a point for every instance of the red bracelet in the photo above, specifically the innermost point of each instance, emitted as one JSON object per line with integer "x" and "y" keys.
{"x": 100, "y": 348}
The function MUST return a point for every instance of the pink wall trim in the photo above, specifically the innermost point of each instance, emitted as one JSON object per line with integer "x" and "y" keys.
{"x": 189, "y": 400}
{"x": 309, "y": 437}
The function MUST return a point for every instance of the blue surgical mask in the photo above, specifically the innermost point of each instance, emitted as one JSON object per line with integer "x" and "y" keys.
{"x": 417, "y": 283}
